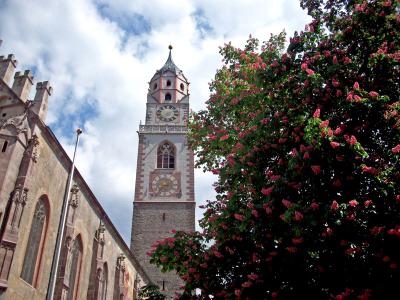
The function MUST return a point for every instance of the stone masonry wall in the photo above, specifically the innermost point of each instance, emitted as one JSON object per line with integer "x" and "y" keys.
{"x": 153, "y": 222}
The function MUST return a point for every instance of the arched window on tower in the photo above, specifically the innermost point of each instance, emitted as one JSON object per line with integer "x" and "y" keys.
{"x": 166, "y": 156}
{"x": 75, "y": 267}
{"x": 168, "y": 97}
{"x": 37, "y": 236}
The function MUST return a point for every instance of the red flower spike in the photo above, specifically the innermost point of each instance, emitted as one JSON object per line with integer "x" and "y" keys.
{"x": 353, "y": 203}
{"x": 367, "y": 203}
{"x": 298, "y": 216}
{"x": 316, "y": 169}
{"x": 329, "y": 231}
{"x": 369, "y": 170}
{"x": 356, "y": 86}
{"x": 334, "y": 145}
{"x": 324, "y": 124}
{"x": 353, "y": 140}
{"x": 252, "y": 276}
{"x": 338, "y": 131}
{"x": 314, "y": 206}
{"x": 334, "y": 205}
{"x": 377, "y": 230}
{"x": 317, "y": 113}
{"x": 387, "y": 3}
{"x": 218, "y": 254}
{"x": 373, "y": 94}
{"x": 287, "y": 203}
{"x": 215, "y": 171}
{"x": 297, "y": 241}
{"x": 255, "y": 213}
{"x": 247, "y": 284}
{"x": 267, "y": 191}
{"x": 335, "y": 83}
{"x": 239, "y": 217}
{"x": 310, "y": 72}
{"x": 224, "y": 137}
{"x": 346, "y": 60}
{"x": 396, "y": 149}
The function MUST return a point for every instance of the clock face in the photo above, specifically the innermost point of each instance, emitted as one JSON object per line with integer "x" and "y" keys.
{"x": 165, "y": 185}
{"x": 167, "y": 113}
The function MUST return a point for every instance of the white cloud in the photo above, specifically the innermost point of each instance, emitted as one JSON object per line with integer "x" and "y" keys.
{"x": 100, "y": 71}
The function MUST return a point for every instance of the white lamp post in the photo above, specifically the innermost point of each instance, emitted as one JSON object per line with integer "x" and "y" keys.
{"x": 61, "y": 226}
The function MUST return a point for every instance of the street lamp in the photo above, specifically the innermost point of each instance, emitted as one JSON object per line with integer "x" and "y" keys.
{"x": 61, "y": 226}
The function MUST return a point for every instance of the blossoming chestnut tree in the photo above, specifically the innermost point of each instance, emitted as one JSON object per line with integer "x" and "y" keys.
{"x": 306, "y": 145}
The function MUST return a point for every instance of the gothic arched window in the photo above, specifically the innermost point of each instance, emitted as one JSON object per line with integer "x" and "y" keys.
{"x": 37, "y": 236}
{"x": 166, "y": 156}
{"x": 75, "y": 261}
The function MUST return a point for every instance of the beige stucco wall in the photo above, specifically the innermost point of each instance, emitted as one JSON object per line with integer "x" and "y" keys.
{"x": 48, "y": 176}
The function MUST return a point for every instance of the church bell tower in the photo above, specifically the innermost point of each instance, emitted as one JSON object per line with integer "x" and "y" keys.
{"x": 164, "y": 191}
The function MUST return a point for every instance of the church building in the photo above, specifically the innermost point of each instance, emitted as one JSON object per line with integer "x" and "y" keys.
{"x": 164, "y": 190}
{"x": 95, "y": 262}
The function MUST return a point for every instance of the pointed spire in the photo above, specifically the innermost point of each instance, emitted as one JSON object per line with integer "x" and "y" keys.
{"x": 169, "y": 64}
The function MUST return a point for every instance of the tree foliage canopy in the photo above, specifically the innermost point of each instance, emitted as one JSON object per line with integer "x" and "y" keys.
{"x": 306, "y": 143}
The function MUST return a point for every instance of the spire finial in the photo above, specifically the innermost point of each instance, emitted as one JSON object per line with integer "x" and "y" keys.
{"x": 169, "y": 64}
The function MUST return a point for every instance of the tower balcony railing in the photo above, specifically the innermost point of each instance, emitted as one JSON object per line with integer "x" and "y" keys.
{"x": 163, "y": 129}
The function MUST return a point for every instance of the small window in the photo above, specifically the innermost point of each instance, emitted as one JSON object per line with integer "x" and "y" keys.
{"x": 4, "y": 114}
{"x": 155, "y": 86}
{"x": 182, "y": 87}
{"x": 168, "y": 97}
{"x": 163, "y": 217}
{"x": 4, "y": 148}
{"x": 168, "y": 82}
{"x": 163, "y": 285}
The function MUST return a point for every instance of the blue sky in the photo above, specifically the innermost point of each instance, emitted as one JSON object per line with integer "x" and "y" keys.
{"x": 99, "y": 56}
